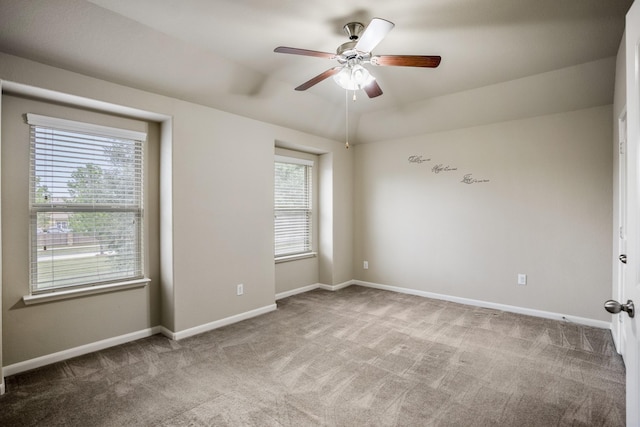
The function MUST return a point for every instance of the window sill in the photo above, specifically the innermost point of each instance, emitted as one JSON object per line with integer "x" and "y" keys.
{"x": 81, "y": 292}
{"x": 296, "y": 257}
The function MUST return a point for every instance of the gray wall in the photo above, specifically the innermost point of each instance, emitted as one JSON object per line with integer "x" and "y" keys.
{"x": 545, "y": 211}
{"x": 51, "y": 327}
{"x": 294, "y": 274}
{"x": 217, "y": 207}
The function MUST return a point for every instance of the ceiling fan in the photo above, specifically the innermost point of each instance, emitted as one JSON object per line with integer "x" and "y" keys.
{"x": 350, "y": 73}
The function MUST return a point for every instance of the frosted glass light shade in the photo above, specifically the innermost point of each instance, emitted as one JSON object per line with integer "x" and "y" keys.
{"x": 353, "y": 77}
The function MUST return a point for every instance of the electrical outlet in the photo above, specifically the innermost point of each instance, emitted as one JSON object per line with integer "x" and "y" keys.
{"x": 365, "y": 265}
{"x": 240, "y": 289}
{"x": 522, "y": 279}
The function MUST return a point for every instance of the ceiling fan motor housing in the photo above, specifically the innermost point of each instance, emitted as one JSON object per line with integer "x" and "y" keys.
{"x": 347, "y": 53}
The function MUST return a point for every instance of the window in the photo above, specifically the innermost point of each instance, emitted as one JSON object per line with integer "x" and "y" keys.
{"x": 293, "y": 210}
{"x": 86, "y": 204}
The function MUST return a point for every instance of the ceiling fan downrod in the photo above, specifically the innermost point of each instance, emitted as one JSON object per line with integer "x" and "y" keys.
{"x": 353, "y": 30}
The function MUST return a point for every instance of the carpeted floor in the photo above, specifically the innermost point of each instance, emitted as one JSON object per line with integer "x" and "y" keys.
{"x": 356, "y": 357}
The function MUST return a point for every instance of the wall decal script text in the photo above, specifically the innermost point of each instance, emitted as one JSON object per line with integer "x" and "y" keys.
{"x": 418, "y": 159}
{"x": 468, "y": 179}
{"x": 441, "y": 168}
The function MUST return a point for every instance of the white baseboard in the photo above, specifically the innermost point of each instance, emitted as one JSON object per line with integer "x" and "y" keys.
{"x": 338, "y": 286}
{"x": 166, "y": 332}
{"x": 48, "y": 359}
{"x": 485, "y": 304}
{"x": 308, "y": 288}
{"x": 297, "y": 291}
{"x": 468, "y": 301}
{"x": 220, "y": 323}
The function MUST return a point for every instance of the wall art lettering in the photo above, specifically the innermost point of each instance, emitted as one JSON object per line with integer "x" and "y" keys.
{"x": 441, "y": 168}
{"x": 418, "y": 159}
{"x": 468, "y": 179}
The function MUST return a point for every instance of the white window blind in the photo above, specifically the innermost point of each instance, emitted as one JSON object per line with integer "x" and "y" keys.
{"x": 86, "y": 204}
{"x": 292, "y": 216}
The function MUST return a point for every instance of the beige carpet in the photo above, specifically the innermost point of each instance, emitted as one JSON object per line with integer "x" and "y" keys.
{"x": 357, "y": 357}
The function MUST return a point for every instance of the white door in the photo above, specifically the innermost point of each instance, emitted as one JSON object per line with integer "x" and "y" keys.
{"x": 631, "y": 289}
{"x": 617, "y": 325}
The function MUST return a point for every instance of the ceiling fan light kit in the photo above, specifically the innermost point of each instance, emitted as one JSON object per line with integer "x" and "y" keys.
{"x": 353, "y": 77}
{"x": 350, "y": 74}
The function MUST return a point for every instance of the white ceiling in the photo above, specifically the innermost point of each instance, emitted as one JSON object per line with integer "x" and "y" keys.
{"x": 220, "y": 52}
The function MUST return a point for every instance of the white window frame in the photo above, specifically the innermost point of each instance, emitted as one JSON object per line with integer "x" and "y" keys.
{"x": 309, "y": 250}
{"x": 137, "y": 209}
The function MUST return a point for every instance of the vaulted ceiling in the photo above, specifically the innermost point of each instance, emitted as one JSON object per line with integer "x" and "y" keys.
{"x": 219, "y": 53}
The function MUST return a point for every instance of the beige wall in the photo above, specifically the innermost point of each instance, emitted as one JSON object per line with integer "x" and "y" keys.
{"x": 294, "y": 274}
{"x": 60, "y": 325}
{"x": 343, "y": 217}
{"x": 335, "y": 219}
{"x": 223, "y": 211}
{"x": 216, "y": 216}
{"x": 567, "y": 89}
{"x": 546, "y": 212}
{"x": 222, "y": 215}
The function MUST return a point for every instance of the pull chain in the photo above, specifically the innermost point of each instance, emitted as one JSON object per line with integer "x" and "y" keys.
{"x": 346, "y": 99}
{"x": 346, "y": 109}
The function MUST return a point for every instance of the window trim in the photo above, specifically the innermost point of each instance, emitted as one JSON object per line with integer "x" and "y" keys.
{"x": 68, "y": 293}
{"x": 72, "y": 291}
{"x": 293, "y": 160}
{"x": 75, "y": 126}
{"x": 296, "y": 257}
{"x": 312, "y": 252}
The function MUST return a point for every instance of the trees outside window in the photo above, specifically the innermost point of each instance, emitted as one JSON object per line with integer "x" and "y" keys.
{"x": 91, "y": 182}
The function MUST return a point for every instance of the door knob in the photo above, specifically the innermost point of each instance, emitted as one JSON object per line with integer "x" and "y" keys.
{"x": 613, "y": 306}
{"x": 623, "y": 258}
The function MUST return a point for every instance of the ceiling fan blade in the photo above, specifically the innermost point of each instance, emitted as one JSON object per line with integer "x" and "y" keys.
{"x": 373, "y": 89}
{"x": 373, "y": 34}
{"x": 305, "y": 52}
{"x": 406, "y": 60}
{"x": 320, "y": 77}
